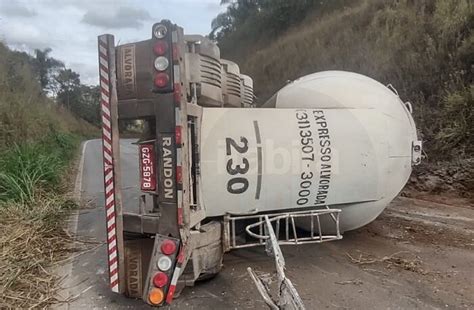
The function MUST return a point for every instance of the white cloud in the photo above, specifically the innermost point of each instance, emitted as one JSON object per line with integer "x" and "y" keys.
{"x": 16, "y": 9}
{"x": 71, "y": 27}
{"x": 24, "y": 36}
{"x": 123, "y": 17}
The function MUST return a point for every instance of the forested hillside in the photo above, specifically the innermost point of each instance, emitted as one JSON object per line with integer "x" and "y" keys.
{"x": 424, "y": 48}
{"x": 38, "y": 96}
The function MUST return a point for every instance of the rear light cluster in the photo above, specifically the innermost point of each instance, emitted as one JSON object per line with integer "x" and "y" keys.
{"x": 161, "y": 269}
{"x": 163, "y": 58}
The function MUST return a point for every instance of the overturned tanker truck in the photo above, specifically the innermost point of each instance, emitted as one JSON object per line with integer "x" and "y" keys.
{"x": 324, "y": 155}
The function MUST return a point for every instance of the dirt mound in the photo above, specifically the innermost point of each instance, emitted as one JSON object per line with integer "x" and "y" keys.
{"x": 456, "y": 178}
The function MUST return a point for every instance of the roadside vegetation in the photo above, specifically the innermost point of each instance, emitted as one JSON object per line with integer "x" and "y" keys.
{"x": 424, "y": 48}
{"x": 40, "y": 132}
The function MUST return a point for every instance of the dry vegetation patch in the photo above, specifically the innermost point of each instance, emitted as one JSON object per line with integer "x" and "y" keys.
{"x": 32, "y": 240}
{"x": 402, "y": 260}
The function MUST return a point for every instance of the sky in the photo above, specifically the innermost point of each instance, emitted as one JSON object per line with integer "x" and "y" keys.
{"x": 70, "y": 27}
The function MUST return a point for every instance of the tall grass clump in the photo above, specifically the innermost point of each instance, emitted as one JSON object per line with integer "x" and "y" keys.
{"x": 26, "y": 170}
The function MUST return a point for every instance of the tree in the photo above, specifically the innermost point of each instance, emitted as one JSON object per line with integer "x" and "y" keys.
{"x": 263, "y": 19}
{"x": 238, "y": 11}
{"x": 45, "y": 67}
{"x": 69, "y": 87}
{"x": 88, "y": 107}
{"x": 80, "y": 99}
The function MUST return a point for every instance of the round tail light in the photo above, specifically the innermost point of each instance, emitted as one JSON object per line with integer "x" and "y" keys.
{"x": 160, "y": 279}
{"x": 160, "y": 31}
{"x": 160, "y": 48}
{"x": 156, "y": 296}
{"x": 161, "y": 80}
{"x": 164, "y": 263}
{"x": 161, "y": 63}
{"x": 168, "y": 247}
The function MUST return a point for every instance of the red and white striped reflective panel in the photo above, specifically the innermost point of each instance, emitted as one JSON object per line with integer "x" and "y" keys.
{"x": 176, "y": 274}
{"x": 108, "y": 155}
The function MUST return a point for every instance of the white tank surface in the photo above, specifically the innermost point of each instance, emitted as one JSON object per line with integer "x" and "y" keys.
{"x": 333, "y": 138}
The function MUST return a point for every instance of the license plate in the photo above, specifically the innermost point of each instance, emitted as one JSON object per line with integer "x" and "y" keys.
{"x": 147, "y": 167}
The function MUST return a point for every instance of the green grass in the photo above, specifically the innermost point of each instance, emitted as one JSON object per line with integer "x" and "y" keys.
{"x": 27, "y": 170}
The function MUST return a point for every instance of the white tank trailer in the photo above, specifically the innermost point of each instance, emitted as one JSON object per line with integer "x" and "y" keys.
{"x": 330, "y": 140}
{"x": 327, "y": 140}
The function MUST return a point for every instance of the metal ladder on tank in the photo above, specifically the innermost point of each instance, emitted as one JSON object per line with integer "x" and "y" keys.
{"x": 286, "y": 232}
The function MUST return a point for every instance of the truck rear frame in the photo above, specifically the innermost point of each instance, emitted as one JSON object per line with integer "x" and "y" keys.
{"x": 170, "y": 243}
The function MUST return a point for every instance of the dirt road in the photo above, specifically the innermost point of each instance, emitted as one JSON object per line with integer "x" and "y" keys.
{"x": 417, "y": 254}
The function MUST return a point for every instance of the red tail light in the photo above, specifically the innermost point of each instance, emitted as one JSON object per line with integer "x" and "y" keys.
{"x": 160, "y": 279}
{"x": 162, "y": 80}
{"x": 160, "y": 48}
{"x": 168, "y": 247}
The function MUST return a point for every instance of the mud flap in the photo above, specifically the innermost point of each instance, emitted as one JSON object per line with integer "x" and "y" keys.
{"x": 137, "y": 259}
